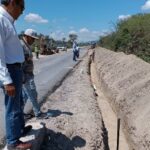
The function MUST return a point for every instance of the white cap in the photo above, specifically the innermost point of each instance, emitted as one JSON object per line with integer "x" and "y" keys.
{"x": 31, "y": 33}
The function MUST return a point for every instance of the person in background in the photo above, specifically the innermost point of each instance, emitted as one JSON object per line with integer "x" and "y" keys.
{"x": 91, "y": 51}
{"x": 11, "y": 58}
{"x": 74, "y": 47}
{"x": 36, "y": 50}
{"x": 78, "y": 51}
{"x": 29, "y": 88}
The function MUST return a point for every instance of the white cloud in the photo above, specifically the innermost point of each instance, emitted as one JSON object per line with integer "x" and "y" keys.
{"x": 124, "y": 17}
{"x": 84, "y": 30}
{"x": 85, "y": 34}
{"x": 105, "y": 33}
{"x": 91, "y": 35}
{"x": 35, "y": 18}
{"x": 58, "y": 35}
{"x": 146, "y": 6}
{"x": 72, "y": 32}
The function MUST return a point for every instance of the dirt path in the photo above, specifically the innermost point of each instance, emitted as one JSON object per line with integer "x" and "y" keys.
{"x": 109, "y": 117}
{"x": 77, "y": 121}
{"x": 80, "y": 119}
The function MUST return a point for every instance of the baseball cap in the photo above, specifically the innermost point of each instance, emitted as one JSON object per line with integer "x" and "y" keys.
{"x": 32, "y": 33}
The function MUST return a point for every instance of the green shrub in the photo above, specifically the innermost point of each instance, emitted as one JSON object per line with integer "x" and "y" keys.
{"x": 132, "y": 36}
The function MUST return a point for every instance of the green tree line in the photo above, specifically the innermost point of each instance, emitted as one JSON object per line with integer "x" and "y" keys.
{"x": 131, "y": 36}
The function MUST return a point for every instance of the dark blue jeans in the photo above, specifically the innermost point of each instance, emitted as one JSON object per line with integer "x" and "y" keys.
{"x": 29, "y": 92}
{"x": 14, "y": 113}
{"x": 74, "y": 55}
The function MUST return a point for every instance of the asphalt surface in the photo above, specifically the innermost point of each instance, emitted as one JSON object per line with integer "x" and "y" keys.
{"x": 49, "y": 72}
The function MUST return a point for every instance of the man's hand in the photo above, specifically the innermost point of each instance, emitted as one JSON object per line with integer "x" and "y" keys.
{"x": 10, "y": 89}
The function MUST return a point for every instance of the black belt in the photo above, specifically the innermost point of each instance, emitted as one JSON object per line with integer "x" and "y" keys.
{"x": 15, "y": 65}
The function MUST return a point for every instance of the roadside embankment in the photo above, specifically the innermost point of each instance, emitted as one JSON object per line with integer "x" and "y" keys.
{"x": 125, "y": 81}
{"x": 76, "y": 121}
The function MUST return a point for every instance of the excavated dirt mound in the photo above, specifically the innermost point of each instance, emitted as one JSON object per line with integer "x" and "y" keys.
{"x": 76, "y": 122}
{"x": 125, "y": 80}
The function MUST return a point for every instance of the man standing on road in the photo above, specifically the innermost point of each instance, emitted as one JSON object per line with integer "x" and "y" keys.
{"x": 36, "y": 50}
{"x": 74, "y": 47}
{"x": 11, "y": 58}
{"x": 29, "y": 87}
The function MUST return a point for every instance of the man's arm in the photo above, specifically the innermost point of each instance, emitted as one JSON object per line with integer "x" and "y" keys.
{"x": 4, "y": 74}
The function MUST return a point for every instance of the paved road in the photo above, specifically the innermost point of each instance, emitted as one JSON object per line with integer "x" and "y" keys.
{"x": 49, "y": 72}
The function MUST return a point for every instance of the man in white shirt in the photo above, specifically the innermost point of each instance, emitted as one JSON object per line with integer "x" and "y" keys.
{"x": 75, "y": 50}
{"x": 11, "y": 58}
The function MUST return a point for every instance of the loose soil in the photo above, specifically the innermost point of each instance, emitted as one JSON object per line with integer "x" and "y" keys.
{"x": 109, "y": 117}
{"x": 82, "y": 117}
{"x": 77, "y": 121}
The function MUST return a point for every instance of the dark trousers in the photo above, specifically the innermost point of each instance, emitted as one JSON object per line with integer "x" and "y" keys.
{"x": 74, "y": 55}
{"x": 14, "y": 114}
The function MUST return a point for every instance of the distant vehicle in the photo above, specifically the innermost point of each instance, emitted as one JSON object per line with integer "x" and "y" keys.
{"x": 62, "y": 48}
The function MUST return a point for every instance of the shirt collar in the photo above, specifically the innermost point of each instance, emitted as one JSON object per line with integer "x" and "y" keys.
{"x": 6, "y": 14}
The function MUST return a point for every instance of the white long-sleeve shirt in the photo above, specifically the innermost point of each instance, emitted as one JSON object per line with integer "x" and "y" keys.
{"x": 74, "y": 47}
{"x": 11, "y": 50}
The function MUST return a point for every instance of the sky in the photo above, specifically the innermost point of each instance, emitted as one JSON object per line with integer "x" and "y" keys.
{"x": 89, "y": 19}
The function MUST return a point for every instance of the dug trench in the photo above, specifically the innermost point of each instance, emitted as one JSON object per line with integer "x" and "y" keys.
{"x": 110, "y": 119}
{"x": 82, "y": 118}
{"x": 77, "y": 121}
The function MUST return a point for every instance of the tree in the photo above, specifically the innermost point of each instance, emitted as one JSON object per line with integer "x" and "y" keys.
{"x": 63, "y": 39}
{"x": 132, "y": 36}
{"x": 73, "y": 37}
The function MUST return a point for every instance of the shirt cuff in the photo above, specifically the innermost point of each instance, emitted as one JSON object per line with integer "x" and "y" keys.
{"x": 8, "y": 81}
